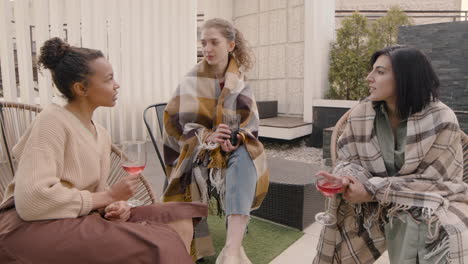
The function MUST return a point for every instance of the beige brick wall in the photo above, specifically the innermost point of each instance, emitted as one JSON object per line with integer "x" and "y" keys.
{"x": 275, "y": 30}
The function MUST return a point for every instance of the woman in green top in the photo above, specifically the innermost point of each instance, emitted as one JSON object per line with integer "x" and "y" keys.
{"x": 402, "y": 163}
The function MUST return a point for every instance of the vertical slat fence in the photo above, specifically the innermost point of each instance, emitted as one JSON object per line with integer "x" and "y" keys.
{"x": 151, "y": 44}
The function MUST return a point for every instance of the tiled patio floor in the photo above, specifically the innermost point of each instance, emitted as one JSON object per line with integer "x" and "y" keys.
{"x": 303, "y": 250}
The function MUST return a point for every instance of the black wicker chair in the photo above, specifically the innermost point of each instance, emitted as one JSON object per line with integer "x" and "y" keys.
{"x": 158, "y": 109}
{"x": 292, "y": 198}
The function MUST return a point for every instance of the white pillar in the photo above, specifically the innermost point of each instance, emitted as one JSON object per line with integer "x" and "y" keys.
{"x": 319, "y": 31}
{"x": 6, "y": 51}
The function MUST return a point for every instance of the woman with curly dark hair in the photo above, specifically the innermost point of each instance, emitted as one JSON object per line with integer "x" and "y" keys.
{"x": 58, "y": 208}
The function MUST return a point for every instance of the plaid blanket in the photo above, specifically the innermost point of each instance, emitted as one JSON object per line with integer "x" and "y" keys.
{"x": 193, "y": 113}
{"x": 429, "y": 185}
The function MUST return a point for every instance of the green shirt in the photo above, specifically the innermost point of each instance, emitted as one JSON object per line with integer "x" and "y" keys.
{"x": 405, "y": 238}
{"x": 393, "y": 148}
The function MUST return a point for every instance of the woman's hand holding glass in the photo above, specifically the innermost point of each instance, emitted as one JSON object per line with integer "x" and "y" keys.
{"x": 125, "y": 188}
{"x": 222, "y": 136}
{"x": 221, "y": 133}
{"x": 355, "y": 192}
{"x": 326, "y": 178}
{"x": 328, "y": 185}
{"x": 226, "y": 146}
{"x": 133, "y": 161}
{"x": 352, "y": 189}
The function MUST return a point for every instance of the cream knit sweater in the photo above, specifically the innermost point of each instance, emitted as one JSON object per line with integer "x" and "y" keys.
{"x": 60, "y": 164}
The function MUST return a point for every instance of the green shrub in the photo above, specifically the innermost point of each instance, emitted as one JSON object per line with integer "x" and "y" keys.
{"x": 356, "y": 40}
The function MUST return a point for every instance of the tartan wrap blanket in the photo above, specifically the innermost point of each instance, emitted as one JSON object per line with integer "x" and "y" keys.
{"x": 429, "y": 185}
{"x": 193, "y": 113}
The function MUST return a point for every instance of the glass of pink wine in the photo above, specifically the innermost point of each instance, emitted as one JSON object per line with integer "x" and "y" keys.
{"x": 328, "y": 186}
{"x": 232, "y": 120}
{"x": 133, "y": 162}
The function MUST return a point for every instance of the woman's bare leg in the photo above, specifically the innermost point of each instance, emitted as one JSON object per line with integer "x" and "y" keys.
{"x": 235, "y": 233}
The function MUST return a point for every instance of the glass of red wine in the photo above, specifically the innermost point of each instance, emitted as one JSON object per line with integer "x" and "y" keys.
{"x": 232, "y": 120}
{"x": 328, "y": 186}
{"x": 133, "y": 161}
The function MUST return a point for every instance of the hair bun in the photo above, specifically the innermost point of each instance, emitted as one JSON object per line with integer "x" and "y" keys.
{"x": 52, "y": 52}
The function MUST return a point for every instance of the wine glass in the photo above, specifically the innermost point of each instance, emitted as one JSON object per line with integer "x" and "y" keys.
{"x": 133, "y": 161}
{"x": 328, "y": 186}
{"x": 233, "y": 122}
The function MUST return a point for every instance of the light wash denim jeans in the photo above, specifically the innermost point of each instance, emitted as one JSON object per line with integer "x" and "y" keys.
{"x": 241, "y": 180}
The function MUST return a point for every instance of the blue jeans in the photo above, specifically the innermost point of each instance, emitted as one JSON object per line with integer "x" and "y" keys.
{"x": 241, "y": 181}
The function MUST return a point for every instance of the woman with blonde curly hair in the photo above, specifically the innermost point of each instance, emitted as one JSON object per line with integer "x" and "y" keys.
{"x": 203, "y": 157}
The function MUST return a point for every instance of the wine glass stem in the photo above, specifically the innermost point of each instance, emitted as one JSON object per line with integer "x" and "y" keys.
{"x": 328, "y": 203}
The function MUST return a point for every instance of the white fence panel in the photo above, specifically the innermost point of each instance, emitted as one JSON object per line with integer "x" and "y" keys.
{"x": 41, "y": 34}
{"x": 72, "y": 19}
{"x": 156, "y": 86}
{"x": 117, "y": 127}
{"x": 98, "y": 40}
{"x": 147, "y": 49}
{"x": 56, "y": 17}
{"x": 136, "y": 87}
{"x": 6, "y": 51}
{"x": 23, "y": 50}
{"x": 150, "y": 43}
{"x": 165, "y": 48}
{"x": 126, "y": 82}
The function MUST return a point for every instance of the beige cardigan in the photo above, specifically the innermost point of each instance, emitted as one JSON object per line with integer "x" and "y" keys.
{"x": 60, "y": 164}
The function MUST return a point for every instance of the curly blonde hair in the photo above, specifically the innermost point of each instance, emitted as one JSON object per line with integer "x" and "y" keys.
{"x": 242, "y": 52}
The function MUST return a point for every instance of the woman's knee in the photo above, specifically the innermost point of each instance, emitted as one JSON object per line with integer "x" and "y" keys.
{"x": 240, "y": 161}
{"x": 241, "y": 152}
{"x": 184, "y": 226}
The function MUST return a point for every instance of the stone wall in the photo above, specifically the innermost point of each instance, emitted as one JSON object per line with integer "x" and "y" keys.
{"x": 275, "y": 30}
{"x": 446, "y": 44}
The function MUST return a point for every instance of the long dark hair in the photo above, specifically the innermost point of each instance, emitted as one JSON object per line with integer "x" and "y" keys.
{"x": 416, "y": 82}
{"x": 67, "y": 64}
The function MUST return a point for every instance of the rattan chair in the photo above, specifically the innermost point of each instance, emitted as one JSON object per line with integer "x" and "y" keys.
{"x": 15, "y": 118}
{"x": 341, "y": 124}
{"x": 337, "y": 131}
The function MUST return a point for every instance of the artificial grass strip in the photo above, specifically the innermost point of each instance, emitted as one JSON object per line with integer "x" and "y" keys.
{"x": 262, "y": 243}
